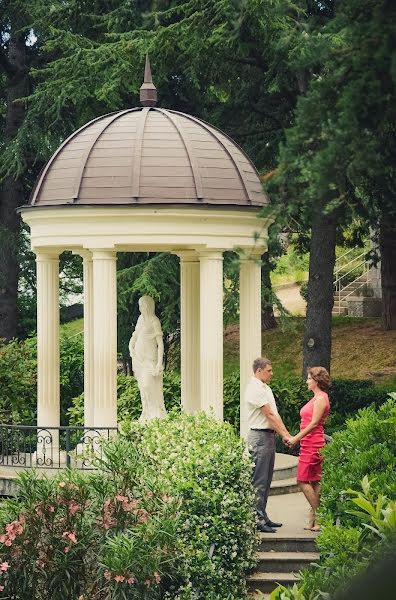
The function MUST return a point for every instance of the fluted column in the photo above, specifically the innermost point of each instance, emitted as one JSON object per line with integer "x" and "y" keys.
{"x": 48, "y": 399}
{"x": 105, "y": 337}
{"x": 189, "y": 321}
{"x": 88, "y": 341}
{"x": 211, "y": 332}
{"x": 249, "y": 325}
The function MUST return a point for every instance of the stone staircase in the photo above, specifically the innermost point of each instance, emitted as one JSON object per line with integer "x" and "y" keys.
{"x": 340, "y": 306}
{"x": 282, "y": 555}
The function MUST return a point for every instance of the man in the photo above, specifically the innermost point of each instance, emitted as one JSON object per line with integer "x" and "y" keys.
{"x": 264, "y": 421}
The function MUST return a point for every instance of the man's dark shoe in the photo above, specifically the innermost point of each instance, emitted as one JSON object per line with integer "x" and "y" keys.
{"x": 272, "y": 524}
{"x": 265, "y": 528}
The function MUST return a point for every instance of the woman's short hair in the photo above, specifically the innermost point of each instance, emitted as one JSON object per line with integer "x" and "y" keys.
{"x": 321, "y": 376}
{"x": 260, "y": 363}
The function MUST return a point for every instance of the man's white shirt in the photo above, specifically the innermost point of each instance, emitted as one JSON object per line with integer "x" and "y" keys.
{"x": 258, "y": 394}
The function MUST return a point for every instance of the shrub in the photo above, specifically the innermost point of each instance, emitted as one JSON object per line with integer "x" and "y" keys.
{"x": 111, "y": 534}
{"x": 129, "y": 405}
{"x": 169, "y": 514}
{"x": 366, "y": 446}
{"x": 18, "y": 378}
{"x": 349, "y": 553}
{"x": 207, "y": 466}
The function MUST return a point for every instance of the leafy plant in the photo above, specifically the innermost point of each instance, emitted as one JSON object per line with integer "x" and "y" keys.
{"x": 365, "y": 447}
{"x": 208, "y": 468}
{"x": 111, "y": 534}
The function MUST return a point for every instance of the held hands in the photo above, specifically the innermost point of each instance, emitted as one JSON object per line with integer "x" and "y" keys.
{"x": 289, "y": 440}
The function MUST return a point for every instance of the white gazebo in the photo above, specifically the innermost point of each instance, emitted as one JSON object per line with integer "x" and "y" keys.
{"x": 147, "y": 179}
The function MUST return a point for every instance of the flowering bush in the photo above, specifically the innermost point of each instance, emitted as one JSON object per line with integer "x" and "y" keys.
{"x": 111, "y": 534}
{"x": 208, "y": 467}
{"x": 168, "y": 514}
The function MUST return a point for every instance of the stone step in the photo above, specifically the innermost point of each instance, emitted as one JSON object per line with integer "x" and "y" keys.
{"x": 267, "y": 582}
{"x": 285, "y": 562}
{"x": 283, "y": 486}
{"x": 285, "y": 466}
{"x": 281, "y": 542}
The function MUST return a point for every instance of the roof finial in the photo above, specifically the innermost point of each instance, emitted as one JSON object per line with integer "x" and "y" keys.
{"x": 148, "y": 91}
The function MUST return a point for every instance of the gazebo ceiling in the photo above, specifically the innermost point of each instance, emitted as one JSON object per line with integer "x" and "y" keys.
{"x": 148, "y": 155}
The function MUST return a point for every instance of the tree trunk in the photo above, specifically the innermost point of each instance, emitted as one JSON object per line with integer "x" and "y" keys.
{"x": 317, "y": 336}
{"x": 268, "y": 320}
{"x": 387, "y": 242}
{"x": 11, "y": 190}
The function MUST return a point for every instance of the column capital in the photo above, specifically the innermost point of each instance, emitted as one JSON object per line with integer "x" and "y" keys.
{"x": 84, "y": 253}
{"x": 251, "y": 254}
{"x": 187, "y": 255}
{"x": 46, "y": 255}
{"x": 103, "y": 254}
{"x": 211, "y": 255}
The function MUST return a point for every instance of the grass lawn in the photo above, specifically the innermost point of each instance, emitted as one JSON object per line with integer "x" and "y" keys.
{"x": 360, "y": 348}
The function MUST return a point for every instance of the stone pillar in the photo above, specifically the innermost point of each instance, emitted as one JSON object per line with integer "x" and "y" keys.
{"x": 249, "y": 325}
{"x": 211, "y": 332}
{"x": 89, "y": 398}
{"x": 48, "y": 397}
{"x": 189, "y": 328}
{"x": 105, "y": 337}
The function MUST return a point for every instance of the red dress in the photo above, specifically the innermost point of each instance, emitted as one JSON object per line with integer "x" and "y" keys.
{"x": 310, "y": 460}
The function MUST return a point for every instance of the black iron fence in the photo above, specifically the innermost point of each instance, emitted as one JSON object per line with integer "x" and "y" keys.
{"x": 52, "y": 447}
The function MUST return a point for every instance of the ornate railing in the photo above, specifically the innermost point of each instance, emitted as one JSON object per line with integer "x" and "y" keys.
{"x": 52, "y": 447}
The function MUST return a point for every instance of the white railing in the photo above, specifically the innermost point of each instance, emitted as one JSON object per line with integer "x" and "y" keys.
{"x": 342, "y": 273}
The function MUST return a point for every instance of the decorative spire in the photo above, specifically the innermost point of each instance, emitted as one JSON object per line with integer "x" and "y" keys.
{"x": 148, "y": 91}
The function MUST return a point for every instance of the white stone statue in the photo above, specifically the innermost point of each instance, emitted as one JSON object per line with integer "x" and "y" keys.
{"x": 146, "y": 348}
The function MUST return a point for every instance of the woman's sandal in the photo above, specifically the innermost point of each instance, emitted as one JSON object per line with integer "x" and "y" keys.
{"x": 311, "y": 520}
{"x": 316, "y": 526}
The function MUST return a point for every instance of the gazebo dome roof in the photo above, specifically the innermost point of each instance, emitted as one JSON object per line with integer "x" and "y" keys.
{"x": 148, "y": 155}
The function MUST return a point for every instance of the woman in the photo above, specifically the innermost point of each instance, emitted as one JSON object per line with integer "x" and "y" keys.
{"x": 146, "y": 348}
{"x": 311, "y": 438}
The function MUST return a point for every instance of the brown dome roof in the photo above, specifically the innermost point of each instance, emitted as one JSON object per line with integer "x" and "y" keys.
{"x": 148, "y": 155}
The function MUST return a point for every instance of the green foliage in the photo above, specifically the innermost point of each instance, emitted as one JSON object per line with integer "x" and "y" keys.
{"x": 291, "y": 266}
{"x": 208, "y": 467}
{"x": 168, "y": 514}
{"x": 18, "y": 378}
{"x": 18, "y": 381}
{"x": 111, "y": 534}
{"x": 347, "y": 552}
{"x": 365, "y": 447}
{"x": 129, "y": 405}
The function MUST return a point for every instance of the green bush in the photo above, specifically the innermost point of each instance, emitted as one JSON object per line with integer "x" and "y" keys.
{"x": 18, "y": 378}
{"x": 168, "y": 514}
{"x": 108, "y": 535}
{"x": 349, "y": 553}
{"x": 366, "y": 446}
{"x": 129, "y": 405}
{"x": 207, "y": 466}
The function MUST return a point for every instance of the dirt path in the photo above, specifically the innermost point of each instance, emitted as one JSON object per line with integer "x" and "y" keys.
{"x": 291, "y": 298}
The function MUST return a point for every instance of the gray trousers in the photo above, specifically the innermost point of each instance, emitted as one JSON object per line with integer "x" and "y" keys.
{"x": 262, "y": 450}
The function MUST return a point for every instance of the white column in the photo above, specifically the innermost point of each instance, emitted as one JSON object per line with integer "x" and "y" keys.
{"x": 48, "y": 399}
{"x": 249, "y": 325}
{"x": 88, "y": 341}
{"x": 189, "y": 326}
{"x": 211, "y": 332}
{"x": 105, "y": 337}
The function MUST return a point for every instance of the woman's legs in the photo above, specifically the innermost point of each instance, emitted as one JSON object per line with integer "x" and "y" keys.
{"x": 310, "y": 492}
{"x": 316, "y": 489}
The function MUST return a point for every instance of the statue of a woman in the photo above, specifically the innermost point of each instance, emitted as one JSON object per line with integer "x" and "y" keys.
{"x": 146, "y": 348}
